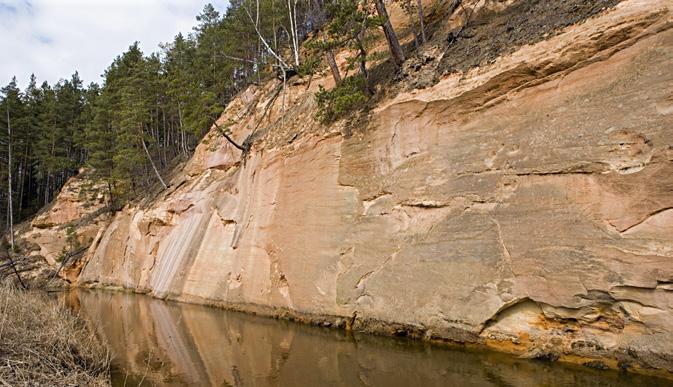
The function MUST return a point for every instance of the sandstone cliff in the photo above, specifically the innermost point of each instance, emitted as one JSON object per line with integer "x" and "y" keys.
{"x": 526, "y": 204}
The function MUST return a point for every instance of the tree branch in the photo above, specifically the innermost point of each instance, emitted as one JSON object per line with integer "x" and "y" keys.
{"x": 237, "y": 58}
{"x": 266, "y": 45}
{"x": 231, "y": 140}
{"x": 156, "y": 171}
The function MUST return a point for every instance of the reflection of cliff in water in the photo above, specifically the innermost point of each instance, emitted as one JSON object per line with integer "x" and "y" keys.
{"x": 158, "y": 342}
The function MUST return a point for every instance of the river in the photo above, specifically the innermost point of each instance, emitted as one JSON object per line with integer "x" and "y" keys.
{"x": 156, "y": 342}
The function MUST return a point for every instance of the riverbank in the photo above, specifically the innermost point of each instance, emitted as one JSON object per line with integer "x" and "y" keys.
{"x": 463, "y": 340}
{"x": 161, "y": 342}
{"x": 43, "y": 343}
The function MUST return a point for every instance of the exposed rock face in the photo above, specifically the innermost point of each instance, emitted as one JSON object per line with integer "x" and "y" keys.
{"x": 526, "y": 205}
{"x": 81, "y": 206}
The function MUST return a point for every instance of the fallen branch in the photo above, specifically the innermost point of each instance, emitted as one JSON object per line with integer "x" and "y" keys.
{"x": 264, "y": 42}
{"x": 12, "y": 265}
{"x": 156, "y": 171}
{"x": 231, "y": 140}
{"x": 227, "y": 56}
{"x": 67, "y": 258}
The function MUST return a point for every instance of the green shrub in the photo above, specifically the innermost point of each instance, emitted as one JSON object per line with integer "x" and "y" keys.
{"x": 72, "y": 243}
{"x": 71, "y": 238}
{"x": 349, "y": 96}
{"x": 309, "y": 66}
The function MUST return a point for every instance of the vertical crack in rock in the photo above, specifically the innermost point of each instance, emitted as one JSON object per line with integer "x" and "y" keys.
{"x": 361, "y": 283}
{"x": 238, "y": 232}
{"x": 505, "y": 264}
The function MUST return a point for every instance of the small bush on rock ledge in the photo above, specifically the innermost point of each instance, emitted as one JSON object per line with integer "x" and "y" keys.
{"x": 349, "y": 96}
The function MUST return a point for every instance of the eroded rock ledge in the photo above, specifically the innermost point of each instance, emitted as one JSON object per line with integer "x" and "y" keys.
{"x": 526, "y": 206}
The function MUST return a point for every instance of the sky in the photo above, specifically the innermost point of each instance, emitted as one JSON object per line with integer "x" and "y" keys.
{"x": 53, "y": 38}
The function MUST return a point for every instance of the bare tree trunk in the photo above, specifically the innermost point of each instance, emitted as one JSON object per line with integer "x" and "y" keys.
{"x": 46, "y": 189}
{"x": 50, "y": 181}
{"x": 170, "y": 140}
{"x": 280, "y": 60}
{"x": 157, "y": 136}
{"x": 393, "y": 43}
{"x": 110, "y": 190}
{"x": 9, "y": 199}
{"x": 257, "y": 16}
{"x": 259, "y": 48}
{"x": 22, "y": 179}
{"x": 421, "y": 20}
{"x": 296, "y": 34}
{"x": 165, "y": 135}
{"x": 182, "y": 131}
{"x": 362, "y": 59}
{"x": 292, "y": 11}
{"x": 282, "y": 117}
{"x": 153, "y": 166}
{"x": 273, "y": 26}
{"x": 9, "y": 182}
{"x": 333, "y": 66}
{"x": 417, "y": 39}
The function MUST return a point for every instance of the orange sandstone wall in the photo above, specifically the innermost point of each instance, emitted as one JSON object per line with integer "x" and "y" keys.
{"x": 526, "y": 205}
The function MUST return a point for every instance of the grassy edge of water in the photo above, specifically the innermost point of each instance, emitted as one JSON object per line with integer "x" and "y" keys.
{"x": 44, "y": 343}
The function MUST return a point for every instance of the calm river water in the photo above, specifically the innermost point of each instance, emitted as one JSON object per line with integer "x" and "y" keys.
{"x": 164, "y": 343}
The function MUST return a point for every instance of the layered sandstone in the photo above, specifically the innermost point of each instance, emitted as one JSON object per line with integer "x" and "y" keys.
{"x": 79, "y": 207}
{"x": 526, "y": 205}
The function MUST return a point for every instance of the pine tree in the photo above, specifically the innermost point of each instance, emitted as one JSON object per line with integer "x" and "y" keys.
{"x": 28, "y": 191}
{"x": 393, "y": 43}
{"x": 45, "y": 147}
{"x": 350, "y": 22}
{"x": 14, "y": 124}
{"x": 149, "y": 109}
{"x": 179, "y": 82}
{"x": 99, "y": 140}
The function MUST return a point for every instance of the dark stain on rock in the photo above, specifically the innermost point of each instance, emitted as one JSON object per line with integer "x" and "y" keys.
{"x": 491, "y": 34}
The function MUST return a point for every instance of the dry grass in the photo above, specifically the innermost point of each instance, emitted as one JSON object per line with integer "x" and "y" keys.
{"x": 43, "y": 343}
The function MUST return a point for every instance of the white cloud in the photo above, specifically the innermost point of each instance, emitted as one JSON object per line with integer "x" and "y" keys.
{"x": 53, "y": 38}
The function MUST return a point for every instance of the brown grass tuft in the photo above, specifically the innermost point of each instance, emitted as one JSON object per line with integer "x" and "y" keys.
{"x": 43, "y": 343}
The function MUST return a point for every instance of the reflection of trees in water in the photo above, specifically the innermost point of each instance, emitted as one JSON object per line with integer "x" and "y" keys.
{"x": 157, "y": 342}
